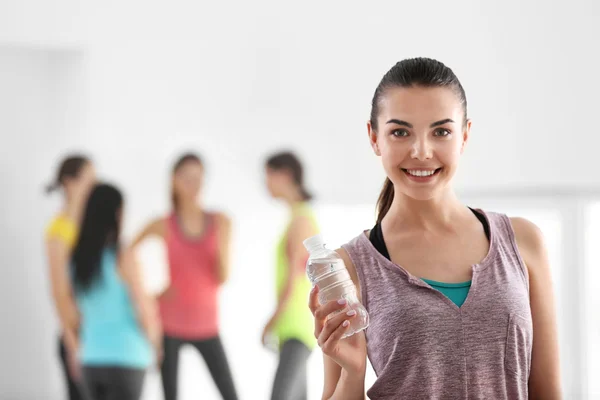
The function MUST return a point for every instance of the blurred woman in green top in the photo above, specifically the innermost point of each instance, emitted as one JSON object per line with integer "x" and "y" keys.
{"x": 291, "y": 324}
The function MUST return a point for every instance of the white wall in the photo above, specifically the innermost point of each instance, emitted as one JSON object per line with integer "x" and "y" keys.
{"x": 305, "y": 74}
{"x": 35, "y": 23}
{"x": 235, "y": 81}
{"x": 38, "y": 118}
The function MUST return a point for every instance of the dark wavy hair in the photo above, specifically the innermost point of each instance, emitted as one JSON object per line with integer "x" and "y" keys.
{"x": 100, "y": 229}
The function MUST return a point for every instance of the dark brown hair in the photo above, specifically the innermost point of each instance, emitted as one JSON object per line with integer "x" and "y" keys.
{"x": 181, "y": 161}
{"x": 70, "y": 167}
{"x": 288, "y": 161}
{"x": 407, "y": 73}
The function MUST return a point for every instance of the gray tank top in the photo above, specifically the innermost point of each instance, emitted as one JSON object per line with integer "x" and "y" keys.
{"x": 422, "y": 346}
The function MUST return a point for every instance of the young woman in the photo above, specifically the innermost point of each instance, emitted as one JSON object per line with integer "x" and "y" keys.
{"x": 118, "y": 320}
{"x": 198, "y": 252}
{"x": 460, "y": 300}
{"x": 75, "y": 178}
{"x": 291, "y": 322}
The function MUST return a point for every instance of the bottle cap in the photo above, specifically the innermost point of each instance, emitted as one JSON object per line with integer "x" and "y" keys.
{"x": 314, "y": 242}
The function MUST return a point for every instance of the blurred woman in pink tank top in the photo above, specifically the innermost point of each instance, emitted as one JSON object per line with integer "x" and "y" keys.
{"x": 197, "y": 244}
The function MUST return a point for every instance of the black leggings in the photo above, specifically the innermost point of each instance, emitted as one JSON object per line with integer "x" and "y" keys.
{"x": 73, "y": 390}
{"x": 114, "y": 383}
{"x": 214, "y": 355}
{"x": 290, "y": 378}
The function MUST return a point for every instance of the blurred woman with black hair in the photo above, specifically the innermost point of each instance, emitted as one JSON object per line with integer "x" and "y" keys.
{"x": 119, "y": 323}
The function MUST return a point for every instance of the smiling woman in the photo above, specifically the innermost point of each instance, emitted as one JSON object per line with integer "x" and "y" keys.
{"x": 423, "y": 174}
{"x": 407, "y": 143}
{"x": 461, "y": 299}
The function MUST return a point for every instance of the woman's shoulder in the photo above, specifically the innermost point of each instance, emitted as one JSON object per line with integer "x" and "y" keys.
{"x": 303, "y": 209}
{"x": 358, "y": 241}
{"x": 158, "y": 225}
{"x": 61, "y": 221}
{"x": 529, "y": 238}
{"x": 63, "y": 228}
{"x": 217, "y": 220}
{"x": 521, "y": 228}
{"x": 525, "y": 235}
{"x": 354, "y": 250}
{"x": 218, "y": 216}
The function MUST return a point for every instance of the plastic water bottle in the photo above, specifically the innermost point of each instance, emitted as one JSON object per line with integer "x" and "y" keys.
{"x": 326, "y": 269}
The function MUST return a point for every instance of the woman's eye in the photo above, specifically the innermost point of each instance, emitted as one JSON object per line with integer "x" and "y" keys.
{"x": 400, "y": 132}
{"x": 442, "y": 132}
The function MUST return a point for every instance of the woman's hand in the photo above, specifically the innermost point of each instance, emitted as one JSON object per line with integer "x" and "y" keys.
{"x": 349, "y": 353}
{"x": 74, "y": 366}
{"x": 158, "y": 351}
{"x": 267, "y": 331}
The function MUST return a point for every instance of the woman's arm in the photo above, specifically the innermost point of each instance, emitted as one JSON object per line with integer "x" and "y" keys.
{"x": 144, "y": 304}
{"x": 300, "y": 229}
{"x": 349, "y": 386}
{"x": 58, "y": 254}
{"x": 154, "y": 228}
{"x": 544, "y": 380}
{"x": 224, "y": 238}
{"x": 338, "y": 384}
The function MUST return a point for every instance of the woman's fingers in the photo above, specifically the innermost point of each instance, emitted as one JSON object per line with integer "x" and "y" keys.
{"x": 322, "y": 313}
{"x": 313, "y": 299}
{"x": 334, "y": 328}
{"x": 330, "y": 344}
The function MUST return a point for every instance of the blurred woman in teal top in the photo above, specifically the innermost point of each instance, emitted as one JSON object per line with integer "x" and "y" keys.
{"x": 119, "y": 323}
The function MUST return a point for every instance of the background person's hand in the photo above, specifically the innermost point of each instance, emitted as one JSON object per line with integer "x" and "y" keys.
{"x": 74, "y": 366}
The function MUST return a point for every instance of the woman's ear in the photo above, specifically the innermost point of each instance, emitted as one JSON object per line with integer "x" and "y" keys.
{"x": 373, "y": 138}
{"x": 466, "y": 135}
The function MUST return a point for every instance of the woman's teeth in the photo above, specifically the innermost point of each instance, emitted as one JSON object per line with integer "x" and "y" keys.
{"x": 421, "y": 172}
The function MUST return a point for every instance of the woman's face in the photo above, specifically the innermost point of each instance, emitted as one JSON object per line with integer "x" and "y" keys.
{"x": 188, "y": 180}
{"x": 277, "y": 181}
{"x": 420, "y": 137}
{"x": 83, "y": 183}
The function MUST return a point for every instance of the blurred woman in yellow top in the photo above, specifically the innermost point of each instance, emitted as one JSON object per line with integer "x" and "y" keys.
{"x": 290, "y": 324}
{"x": 75, "y": 178}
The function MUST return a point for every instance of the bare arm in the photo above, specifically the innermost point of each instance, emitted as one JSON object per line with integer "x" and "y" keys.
{"x": 155, "y": 228}
{"x": 58, "y": 258}
{"x": 300, "y": 229}
{"x": 339, "y": 384}
{"x": 144, "y": 304}
{"x": 544, "y": 380}
{"x": 224, "y": 238}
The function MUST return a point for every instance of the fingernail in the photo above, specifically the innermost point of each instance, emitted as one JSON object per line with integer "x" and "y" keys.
{"x": 342, "y": 301}
{"x": 351, "y": 313}
{"x": 346, "y": 323}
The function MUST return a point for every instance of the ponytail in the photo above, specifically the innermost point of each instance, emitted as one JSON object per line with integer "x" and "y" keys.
{"x": 51, "y": 187}
{"x": 386, "y": 197}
